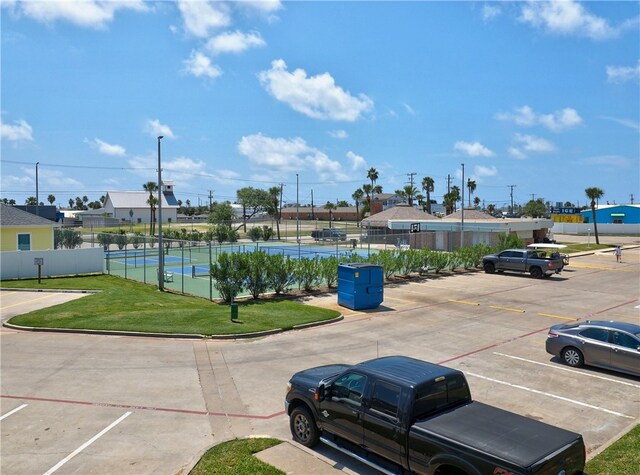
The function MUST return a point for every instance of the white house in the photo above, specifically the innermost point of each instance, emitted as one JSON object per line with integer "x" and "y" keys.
{"x": 131, "y": 206}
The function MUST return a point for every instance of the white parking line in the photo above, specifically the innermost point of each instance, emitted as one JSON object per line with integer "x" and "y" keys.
{"x": 572, "y": 401}
{"x": 87, "y": 443}
{"x": 569, "y": 370}
{"x": 13, "y": 411}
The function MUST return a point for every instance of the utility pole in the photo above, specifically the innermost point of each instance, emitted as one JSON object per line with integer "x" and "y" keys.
{"x": 462, "y": 212}
{"x": 511, "y": 209}
{"x": 533, "y": 196}
{"x": 631, "y": 198}
{"x": 280, "y": 209}
{"x": 448, "y": 184}
{"x": 312, "y": 214}
{"x": 37, "y": 196}
{"x": 210, "y": 200}
{"x": 410, "y": 198}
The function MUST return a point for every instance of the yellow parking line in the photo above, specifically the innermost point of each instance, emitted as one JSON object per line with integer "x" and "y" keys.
{"x": 464, "y": 302}
{"x": 557, "y": 316}
{"x": 507, "y": 308}
{"x": 32, "y": 300}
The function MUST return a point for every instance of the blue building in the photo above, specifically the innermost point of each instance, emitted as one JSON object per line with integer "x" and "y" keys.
{"x": 613, "y": 214}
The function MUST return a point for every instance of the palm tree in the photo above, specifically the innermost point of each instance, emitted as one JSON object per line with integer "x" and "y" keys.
{"x": 408, "y": 193}
{"x": 70, "y": 203}
{"x": 31, "y": 201}
{"x": 471, "y": 185}
{"x": 151, "y": 187}
{"x": 476, "y": 201}
{"x": 357, "y": 196}
{"x": 372, "y": 174}
{"x": 51, "y": 199}
{"x": 594, "y": 194}
{"x": 427, "y": 186}
{"x": 367, "y": 189}
{"x": 273, "y": 209}
{"x": 491, "y": 208}
{"x": 330, "y": 206}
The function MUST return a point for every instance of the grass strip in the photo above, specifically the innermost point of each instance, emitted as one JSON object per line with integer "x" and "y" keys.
{"x": 619, "y": 458}
{"x": 126, "y": 305}
{"x": 235, "y": 457}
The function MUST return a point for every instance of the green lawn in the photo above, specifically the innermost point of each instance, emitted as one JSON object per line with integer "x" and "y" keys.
{"x": 235, "y": 457}
{"x": 131, "y": 306}
{"x": 620, "y": 458}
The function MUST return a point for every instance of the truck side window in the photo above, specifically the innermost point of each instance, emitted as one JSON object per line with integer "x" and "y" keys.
{"x": 385, "y": 398}
{"x": 439, "y": 395}
{"x": 349, "y": 387}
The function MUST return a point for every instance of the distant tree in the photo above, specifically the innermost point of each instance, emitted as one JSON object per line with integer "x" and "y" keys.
{"x": 151, "y": 187}
{"x": 273, "y": 208}
{"x": 357, "y": 197}
{"x": 103, "y": 199}
{"x": 535, "y": 208}
{"x": 594, "y": 194}
{"x": 428, "y": 187}
{"x": 409, "y": 193}
{"x": 342, "y": 204}
{"x": 491, "y": 208}
{"x": 95, "y": 205}
{"x": 85, "y": 200}
{"x": 51, "y": 199}
{"x": 451, "y": 198}
{"x": 31, "y": 201}
{"x": 253, "y": 201}
{"x": 70, "y": 203}
{"x": 222, "y": 214}
{"x": 476, "y": 201}
{"x": 367, "y": 189}
{"x": 471, "y": 185}
{"x": 568, "y": 204}
{"x": 329, "y": 206}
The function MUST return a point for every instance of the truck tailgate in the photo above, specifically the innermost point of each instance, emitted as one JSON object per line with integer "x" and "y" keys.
{"x": 525, "y": 442}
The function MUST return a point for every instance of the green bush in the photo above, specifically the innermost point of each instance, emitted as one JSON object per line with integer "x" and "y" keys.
{"x": 229, "y": 273}
{"x": 280, "y": 272}
{"x": 329, "y": 270}
{"x": 255, "y": 233}
{"x": 256, "y": 264}
{"x": 66, "y": 238}
{"x": 267, "y": 232}
{"x": 308, "y": 273}
{"x": 439, "y": 260}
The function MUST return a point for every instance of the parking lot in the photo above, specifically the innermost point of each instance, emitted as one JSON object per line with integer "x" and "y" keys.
{"x": 104, "y": 404}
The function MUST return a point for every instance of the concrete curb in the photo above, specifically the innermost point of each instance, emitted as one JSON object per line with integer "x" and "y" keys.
{"x": 192, "y": 336}
{"x": 611, "y": 441}
{"x": 53, "y": 291}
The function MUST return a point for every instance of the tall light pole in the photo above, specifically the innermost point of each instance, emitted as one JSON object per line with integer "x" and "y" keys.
{"x": 37, "y": 197}
{"x": 160, "y": 247}
{"x": 462, "y": 214}
{"x": 298, "y": 214}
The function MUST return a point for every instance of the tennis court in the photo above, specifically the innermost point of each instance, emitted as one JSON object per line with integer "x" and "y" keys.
{"x": 187, "y": 264}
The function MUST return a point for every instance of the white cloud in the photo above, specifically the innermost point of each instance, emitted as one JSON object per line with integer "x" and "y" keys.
{"x": 264, "y": 6}
{"x": 155, "y": 129}
{"x": 315, "y": 96}
{"x": 86, "y": 13}
{"x": 234, "y": 42}
{"x": 202, "y": 16}
{"x": 632, "y": 124}
{"x": 280, "y": 155}
{"x": 516, "y": 153}
{"x": 610, "y": 161}
{"x": 531, "y": 143}
{"x": 620, "y": 74}
{"x": 489, "y": 12}
{"x": 182, "y": 170}
{"x": 482, "y": 171}
{"x": 557, "y": 121}
{"x": 106, "y": 148}
{"x": 408, "y": 108}
{"x": 357, "y": 162}
{"x": 475, "y": 149}
{"x": 200, "y": 65}
{"x": 338, "y": 134}
{"x": 11, "y": 181}
{"x": 20, "y": 131}
{"x": 567, "y": 17}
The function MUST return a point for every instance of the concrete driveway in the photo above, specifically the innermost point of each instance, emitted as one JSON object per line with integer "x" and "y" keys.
{"x": 97, "y": 404}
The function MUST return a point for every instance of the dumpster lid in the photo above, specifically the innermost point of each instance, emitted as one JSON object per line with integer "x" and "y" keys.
{"x": 358, "y": 265}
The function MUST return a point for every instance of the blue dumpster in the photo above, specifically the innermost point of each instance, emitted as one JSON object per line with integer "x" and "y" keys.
{"x": 360, "y": 286}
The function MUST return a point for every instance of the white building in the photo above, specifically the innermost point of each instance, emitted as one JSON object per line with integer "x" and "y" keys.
{"x": 131, "y": 206}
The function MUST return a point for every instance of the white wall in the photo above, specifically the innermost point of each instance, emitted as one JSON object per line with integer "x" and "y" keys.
{"x": 20, "y": 264}
{"x": 581, "y": 228}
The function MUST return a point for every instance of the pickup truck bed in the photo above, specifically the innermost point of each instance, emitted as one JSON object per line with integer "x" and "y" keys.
{"x": 498, "y": 433}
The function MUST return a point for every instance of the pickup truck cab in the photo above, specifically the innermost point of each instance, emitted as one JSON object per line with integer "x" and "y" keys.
{"x": 523, "y": 260}
{"x": 401, "y": 414}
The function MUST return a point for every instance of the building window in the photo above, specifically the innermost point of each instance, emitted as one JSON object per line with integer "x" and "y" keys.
{"x": 169, "y": 219}
{"x": 24, "y": 242}
{"x": 617, "y": 221}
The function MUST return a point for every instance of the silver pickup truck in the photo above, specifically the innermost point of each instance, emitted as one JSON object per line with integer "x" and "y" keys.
{"x": 523, "y": 260}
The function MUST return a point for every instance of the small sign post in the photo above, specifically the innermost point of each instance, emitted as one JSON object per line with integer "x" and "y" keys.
{"x": 39, "y": 261}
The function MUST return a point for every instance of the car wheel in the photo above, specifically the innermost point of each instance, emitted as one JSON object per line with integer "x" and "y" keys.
{"x": 303, "y": 427}
{"x": 573, "y": 357}
{"x": 536, "y": 272}
{"x": 489, "y": 268}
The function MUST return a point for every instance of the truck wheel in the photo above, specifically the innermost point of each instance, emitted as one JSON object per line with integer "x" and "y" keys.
{"x": 573, "y": 357}
{"x": 536, "y": 272}
{"x": 303, "y": 427}
{"x": 489, "y": 268}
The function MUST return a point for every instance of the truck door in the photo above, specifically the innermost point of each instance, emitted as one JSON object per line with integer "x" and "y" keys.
{"x": 341, "y": 410}
{"x": 383, "y": 433}
{"x": 518, "y": 261}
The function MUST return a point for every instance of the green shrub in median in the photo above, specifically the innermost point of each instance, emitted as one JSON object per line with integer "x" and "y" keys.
{"x": 257, "y": 268}
{"x": 229, "y": 274}
{"x": 308, "y": 272}
{"x": 280, "y": 272}
{"x": 329, "y": 269}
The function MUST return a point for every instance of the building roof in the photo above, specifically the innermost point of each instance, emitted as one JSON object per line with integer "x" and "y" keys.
{"x": 14, "y": 217}
{"x": 137, "y": 199}
{"x": 401, "y": 212}
{"x": 468, "y": 214}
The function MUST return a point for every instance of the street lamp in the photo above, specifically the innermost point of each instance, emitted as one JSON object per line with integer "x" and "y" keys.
{"x": 160, "y": 247}
{"x": 462, "y": 213}
{"x": 37, "y": 197}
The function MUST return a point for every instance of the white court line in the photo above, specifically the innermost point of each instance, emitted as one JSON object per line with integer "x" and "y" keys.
{"x": 572, "y": 401}
{"x": 569, "y": 370}
{"x": 87, "y": 443}
{"x": 13, "y": 411}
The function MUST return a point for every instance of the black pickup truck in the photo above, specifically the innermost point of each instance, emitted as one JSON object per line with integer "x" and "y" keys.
{"x": 329, "y": 234}
{"x": 400, "y": 414}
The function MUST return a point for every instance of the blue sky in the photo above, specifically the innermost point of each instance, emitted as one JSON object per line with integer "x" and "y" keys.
{"x": 540, "y": 95}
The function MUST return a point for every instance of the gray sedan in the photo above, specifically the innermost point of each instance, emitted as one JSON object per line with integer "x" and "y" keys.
{"x": 610, "y": 345}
